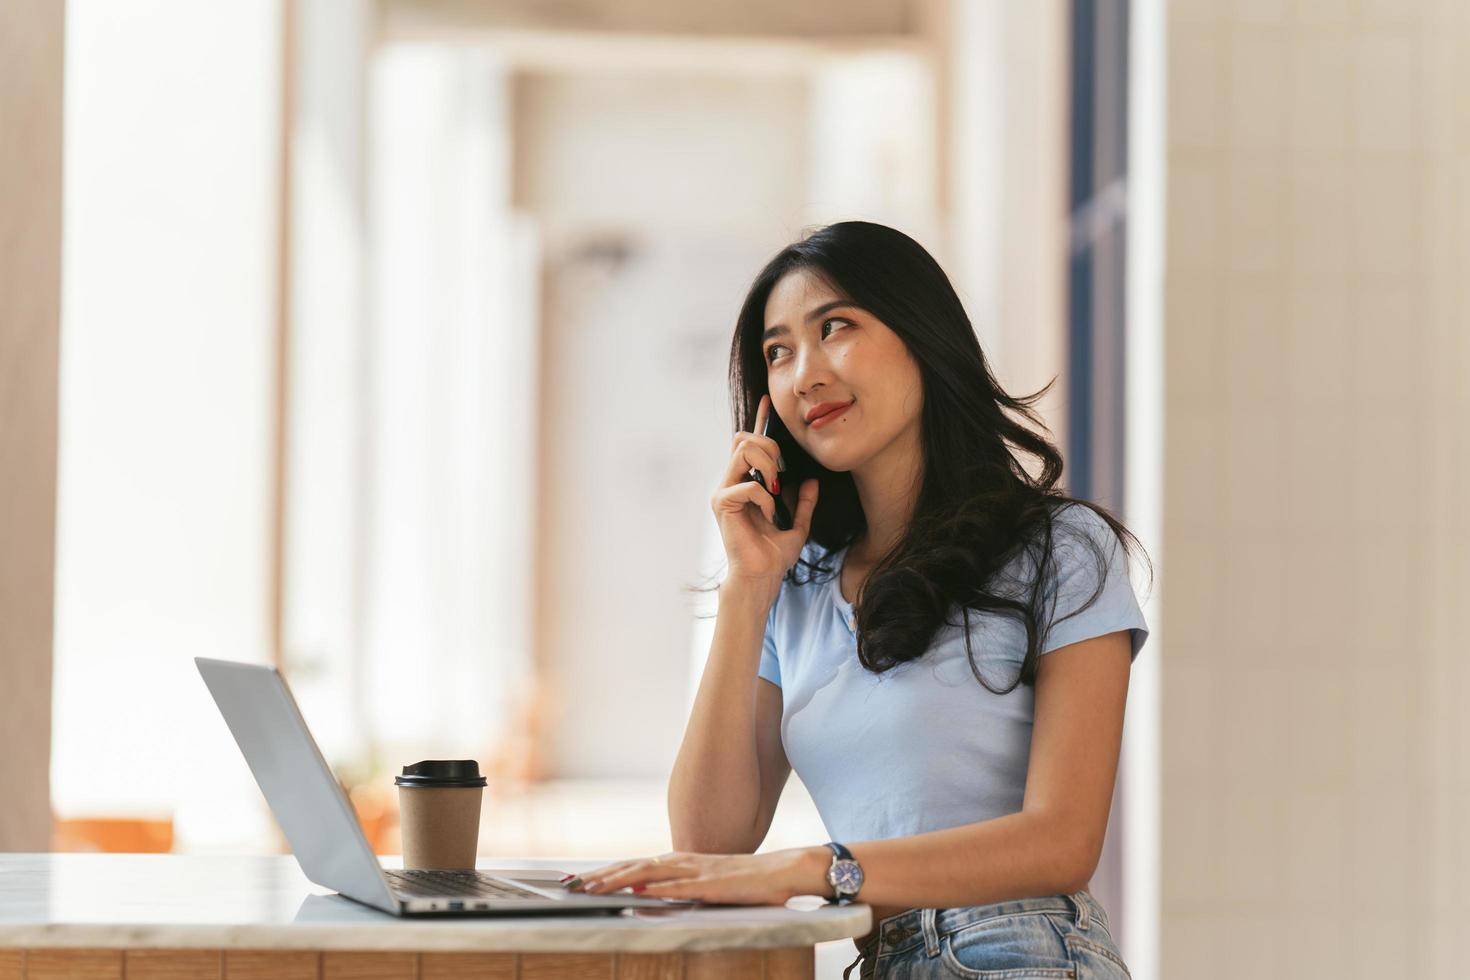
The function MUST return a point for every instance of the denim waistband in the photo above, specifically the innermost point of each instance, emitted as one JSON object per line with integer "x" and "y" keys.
{"x": 904, "y": 930}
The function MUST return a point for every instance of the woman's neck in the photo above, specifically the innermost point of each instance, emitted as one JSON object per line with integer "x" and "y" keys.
{"x": 887, "y": 487}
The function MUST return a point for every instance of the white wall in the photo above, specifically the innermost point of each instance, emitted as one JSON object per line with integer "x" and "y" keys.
{"x": 451, "y": 383}
{"x": 1005, "y": 139}
{"x": 634, "y": 418}
{"x": 166, "y": 403}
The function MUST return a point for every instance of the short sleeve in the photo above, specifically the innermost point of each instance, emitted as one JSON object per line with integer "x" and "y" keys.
{"x": 1075, "y": 534}
{"x": 770, "y": 667}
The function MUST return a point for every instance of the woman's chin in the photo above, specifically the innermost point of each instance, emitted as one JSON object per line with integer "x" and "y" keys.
{"x": 838, "y": 462}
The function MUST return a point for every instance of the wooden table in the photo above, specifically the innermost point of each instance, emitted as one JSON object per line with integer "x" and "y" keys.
{"x": 178, "y": 917}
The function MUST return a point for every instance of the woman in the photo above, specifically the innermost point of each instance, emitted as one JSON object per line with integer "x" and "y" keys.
{"x": 947, "y": 677}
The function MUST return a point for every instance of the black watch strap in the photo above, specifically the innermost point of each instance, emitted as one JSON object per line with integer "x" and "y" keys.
{"x": 840, "y": 853}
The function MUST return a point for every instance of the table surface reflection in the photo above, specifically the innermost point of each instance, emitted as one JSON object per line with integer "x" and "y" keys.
{"x": 219, "y": 901}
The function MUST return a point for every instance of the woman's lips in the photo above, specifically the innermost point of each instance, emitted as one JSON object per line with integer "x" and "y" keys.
{"x": 831, "y": 416}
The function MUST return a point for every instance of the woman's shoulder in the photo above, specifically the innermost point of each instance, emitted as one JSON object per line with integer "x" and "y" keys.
{"x": 1075, "y": 537}
{"x": 1075, "y": 523}
{"x": 1089, "y": 554}
{"x": 1077, "y": 515}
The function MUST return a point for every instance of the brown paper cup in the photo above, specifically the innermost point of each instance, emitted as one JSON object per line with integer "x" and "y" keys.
{"x": 440, "y": 825}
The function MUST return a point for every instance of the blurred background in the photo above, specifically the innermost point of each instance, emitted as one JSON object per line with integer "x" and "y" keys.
{"x": 386, "y": 341}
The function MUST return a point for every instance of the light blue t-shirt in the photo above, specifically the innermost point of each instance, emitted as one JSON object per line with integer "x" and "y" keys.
{"x": 924, "y": 746}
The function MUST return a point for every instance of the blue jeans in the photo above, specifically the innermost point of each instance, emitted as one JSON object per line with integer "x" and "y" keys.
{"x": 1059, "y": 936}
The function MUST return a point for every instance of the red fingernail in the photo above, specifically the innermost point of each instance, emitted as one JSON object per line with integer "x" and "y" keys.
{"x": 639, "y": 888}
{"x": 775, "y": 484}
{"x": 569, "y": 877}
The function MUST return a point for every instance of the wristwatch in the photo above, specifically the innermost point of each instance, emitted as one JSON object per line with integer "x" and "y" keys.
{"x": 845, "y": 875}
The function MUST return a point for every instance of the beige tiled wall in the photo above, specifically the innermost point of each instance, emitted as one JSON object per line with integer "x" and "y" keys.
{"x": 1317, "y": 478}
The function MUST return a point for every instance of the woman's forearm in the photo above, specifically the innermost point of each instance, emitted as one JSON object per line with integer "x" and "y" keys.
{"x": 714, "y": 789}
{"x": 1020, "y": 855}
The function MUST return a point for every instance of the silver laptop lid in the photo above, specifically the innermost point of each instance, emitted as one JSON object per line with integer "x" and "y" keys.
{"x": 299, "y": 786}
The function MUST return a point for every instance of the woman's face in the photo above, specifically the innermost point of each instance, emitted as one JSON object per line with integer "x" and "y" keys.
{"x": 820, "y": 350}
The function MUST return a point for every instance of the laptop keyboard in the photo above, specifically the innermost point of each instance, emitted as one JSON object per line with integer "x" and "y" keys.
{"x": 433, "y": 884}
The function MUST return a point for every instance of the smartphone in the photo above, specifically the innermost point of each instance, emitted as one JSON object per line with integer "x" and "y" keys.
{"x": 783, "y": 513}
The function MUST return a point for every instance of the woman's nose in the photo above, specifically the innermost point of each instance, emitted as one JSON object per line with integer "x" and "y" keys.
{"x": 811, "y": 371}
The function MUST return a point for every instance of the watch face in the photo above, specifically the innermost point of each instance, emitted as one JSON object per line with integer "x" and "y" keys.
{"x": 845, "y": 877}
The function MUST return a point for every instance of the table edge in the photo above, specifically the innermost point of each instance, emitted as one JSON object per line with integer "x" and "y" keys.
{"x": 440, "y": 936}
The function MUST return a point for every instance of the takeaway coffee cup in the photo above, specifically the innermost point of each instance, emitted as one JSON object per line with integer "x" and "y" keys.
{"x": 439, "y": 813}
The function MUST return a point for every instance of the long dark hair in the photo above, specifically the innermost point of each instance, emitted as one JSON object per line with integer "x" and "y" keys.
{"x": 977, "y": 508}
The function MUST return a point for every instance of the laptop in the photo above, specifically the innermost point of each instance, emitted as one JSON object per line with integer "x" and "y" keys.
{"x": 326, "y": 838}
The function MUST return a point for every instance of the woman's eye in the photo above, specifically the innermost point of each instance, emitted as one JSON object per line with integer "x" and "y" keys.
{"x": 771, "y": 350}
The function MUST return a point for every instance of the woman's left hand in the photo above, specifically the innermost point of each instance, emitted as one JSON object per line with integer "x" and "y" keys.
{"x": 728, "y": 879}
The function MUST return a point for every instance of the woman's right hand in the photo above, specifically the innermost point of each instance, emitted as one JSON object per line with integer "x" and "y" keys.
{"x": 758, "y": 552}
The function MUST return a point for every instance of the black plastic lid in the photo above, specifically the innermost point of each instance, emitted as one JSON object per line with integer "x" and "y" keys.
{"x": 441, "y": 772}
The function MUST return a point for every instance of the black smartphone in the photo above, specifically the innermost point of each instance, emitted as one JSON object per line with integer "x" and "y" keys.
{"x": 783, "y": 513}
